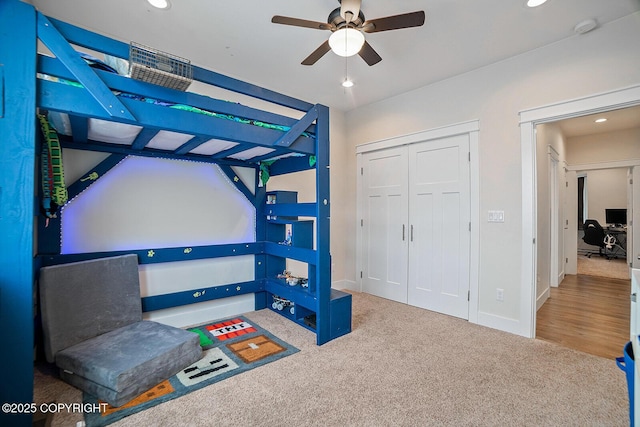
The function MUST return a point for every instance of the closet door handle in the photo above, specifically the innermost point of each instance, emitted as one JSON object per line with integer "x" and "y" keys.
{"x": 403, "y": 232}
{"x": 412, "y": 232}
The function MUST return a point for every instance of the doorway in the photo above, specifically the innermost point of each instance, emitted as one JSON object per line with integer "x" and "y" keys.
{"x": 590, "y": 291}
{"x": 600, "y": 192}
{"x": 529, "y": 119}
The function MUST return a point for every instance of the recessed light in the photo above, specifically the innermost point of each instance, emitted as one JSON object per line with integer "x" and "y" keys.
{"x": 535, "y": 3}
{"x": 602, "y": 120}
{"x": 160, "y": 4}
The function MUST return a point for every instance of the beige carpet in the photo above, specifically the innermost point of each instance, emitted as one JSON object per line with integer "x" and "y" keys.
{"x": 401, "y": 366}
{"x": 602, "y": 267}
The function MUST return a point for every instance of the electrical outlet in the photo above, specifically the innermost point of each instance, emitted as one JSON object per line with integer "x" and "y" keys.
{"x": 500, "y": 294}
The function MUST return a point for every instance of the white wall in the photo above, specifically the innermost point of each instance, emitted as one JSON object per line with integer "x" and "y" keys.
{"x": 146, "y": 202}
{"x": 590, "y": 150}
{"x": 156, "y": 203}
{"x": 606, "y": 188}
{"x": 595, "y": 62}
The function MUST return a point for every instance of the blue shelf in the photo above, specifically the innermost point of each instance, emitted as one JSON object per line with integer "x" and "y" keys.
{"x": 339, "y": 309}
{"x": 297, "y": 293}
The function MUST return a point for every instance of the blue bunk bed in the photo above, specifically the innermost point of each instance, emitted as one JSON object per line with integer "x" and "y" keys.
{"x": 260, "y": 138}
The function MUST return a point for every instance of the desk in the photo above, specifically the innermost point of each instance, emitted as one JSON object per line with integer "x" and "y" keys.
{"x": 619, "y": 250}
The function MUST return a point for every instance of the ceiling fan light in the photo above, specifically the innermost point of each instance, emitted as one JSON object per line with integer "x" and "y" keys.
{"x": 160, "y": 4}
{"x": 347, "y": 83}
{"x": 535, "y": 3}
{"x": 346, "y": 41}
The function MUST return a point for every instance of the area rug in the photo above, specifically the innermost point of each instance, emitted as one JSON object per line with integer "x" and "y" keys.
{"x": 602, "y": 267}
{"x": 230, "y": 347}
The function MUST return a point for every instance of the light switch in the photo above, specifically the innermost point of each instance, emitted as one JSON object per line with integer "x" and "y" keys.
{"x": 496, "y": 216}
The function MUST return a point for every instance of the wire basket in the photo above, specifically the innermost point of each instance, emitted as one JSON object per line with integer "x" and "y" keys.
{"x": 160, "y": 68}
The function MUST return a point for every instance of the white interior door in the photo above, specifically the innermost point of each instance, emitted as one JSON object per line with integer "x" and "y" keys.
{"x": 439, "y": 221}
{"x": 384, "y": 223}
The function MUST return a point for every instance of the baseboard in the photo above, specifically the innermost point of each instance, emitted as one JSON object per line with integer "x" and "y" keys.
{"x": 500, "y": 323}
{"x": 195, "y": 314}
{"x": 344, "y": 284}
{"x": 543, "y": 298}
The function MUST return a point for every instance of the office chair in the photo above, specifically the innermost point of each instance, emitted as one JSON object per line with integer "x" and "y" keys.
{"x": 613, "y": 248}
{"x": 594, "y": 235}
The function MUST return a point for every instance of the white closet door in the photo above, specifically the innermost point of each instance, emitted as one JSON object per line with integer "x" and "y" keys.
{"x": 439, "y": 218}
{"x": 384, "y": 223}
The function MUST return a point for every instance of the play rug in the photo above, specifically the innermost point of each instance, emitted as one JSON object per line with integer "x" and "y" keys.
{"x": 229, "y": 347}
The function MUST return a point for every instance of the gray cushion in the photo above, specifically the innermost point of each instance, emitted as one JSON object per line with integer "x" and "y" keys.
{"x": 93, "y": 330}
{"x": 82, "y": 300}
{"x": 120, "y": 365}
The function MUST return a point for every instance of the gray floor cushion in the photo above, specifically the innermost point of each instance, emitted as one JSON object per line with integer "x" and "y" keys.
{"x": 124, "y": 363}
{"x": 93, "y": 330}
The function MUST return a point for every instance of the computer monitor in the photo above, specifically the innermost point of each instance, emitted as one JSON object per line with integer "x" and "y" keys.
{"x": 616, "y": 216}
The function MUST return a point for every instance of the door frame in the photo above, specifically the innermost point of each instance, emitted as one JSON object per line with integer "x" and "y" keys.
{"x": 597, "y": 103}
{"x": 555, "y": 269}
{"x": 471, "y": 128}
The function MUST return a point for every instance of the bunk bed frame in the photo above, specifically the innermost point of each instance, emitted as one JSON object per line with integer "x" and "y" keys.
{"x": 325, "y": 311}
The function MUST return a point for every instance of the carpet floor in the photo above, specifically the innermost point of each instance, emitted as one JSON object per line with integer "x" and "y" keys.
{"x": 230, "y": 347}
{"x": 602, "y": 267}
{"x": 401, "y": 366}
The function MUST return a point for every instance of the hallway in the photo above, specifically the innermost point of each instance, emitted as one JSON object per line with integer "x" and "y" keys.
{"x": 587, "y": 313}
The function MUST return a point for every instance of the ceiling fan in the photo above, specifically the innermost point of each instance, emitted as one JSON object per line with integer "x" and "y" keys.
{"x": 347, "y": 24}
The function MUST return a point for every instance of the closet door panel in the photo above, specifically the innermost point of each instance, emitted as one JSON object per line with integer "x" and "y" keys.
{"x": 439, "y": 219}
{"x": 424, "y": 268}
{"x": 453, "y": 245}
{"x": 385, "y": 224}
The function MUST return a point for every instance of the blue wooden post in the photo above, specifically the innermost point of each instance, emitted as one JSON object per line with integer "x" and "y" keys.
{"x": 323, "y": 206}
{"x": 260, "y": 267}
{"x": 17, "y": 163}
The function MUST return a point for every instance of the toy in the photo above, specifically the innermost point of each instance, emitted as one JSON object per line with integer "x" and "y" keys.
{"x": 280, "y": 303}
{"x": 293, "y": 280}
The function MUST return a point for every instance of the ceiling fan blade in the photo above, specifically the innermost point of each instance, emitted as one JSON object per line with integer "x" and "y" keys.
{"x": 301, "y": 23}
{"x": 350, "y": 9}
{"x": 317, "y": 54}
{"x": 369, "y": 55}
{"x": 396, "y": 22}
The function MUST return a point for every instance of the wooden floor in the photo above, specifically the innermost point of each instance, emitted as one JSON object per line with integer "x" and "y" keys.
{"x": 587, "y": 313}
